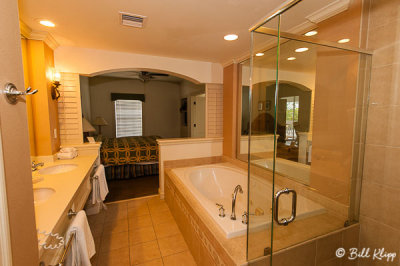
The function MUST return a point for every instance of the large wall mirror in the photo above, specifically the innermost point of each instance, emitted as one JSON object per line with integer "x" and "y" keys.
{"x": 295, "y": 102}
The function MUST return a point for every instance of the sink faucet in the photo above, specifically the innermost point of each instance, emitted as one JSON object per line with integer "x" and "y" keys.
{"x": 36, "y": 165}
{"x": 237, "y": 188}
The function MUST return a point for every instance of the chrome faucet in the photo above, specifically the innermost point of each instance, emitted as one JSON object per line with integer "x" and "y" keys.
{"x": 237, "y": 188}
{"x": 36, "y": 165}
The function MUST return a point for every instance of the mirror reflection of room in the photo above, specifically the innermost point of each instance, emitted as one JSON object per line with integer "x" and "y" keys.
{"x": 294, "y": 111}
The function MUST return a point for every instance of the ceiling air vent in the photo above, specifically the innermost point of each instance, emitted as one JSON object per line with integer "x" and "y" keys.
{"x": 132, "y": 20}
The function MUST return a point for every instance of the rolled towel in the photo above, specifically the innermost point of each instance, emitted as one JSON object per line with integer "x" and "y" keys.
{"x": 82, "y": 246}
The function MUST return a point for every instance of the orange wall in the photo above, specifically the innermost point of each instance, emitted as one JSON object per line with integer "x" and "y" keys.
{"x": 42, "y": 110}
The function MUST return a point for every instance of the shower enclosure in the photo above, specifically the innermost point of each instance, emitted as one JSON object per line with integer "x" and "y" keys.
{"x": 304, "y": 99}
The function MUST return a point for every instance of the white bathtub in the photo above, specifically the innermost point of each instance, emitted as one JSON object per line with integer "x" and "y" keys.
{"x": 211, "y": 184}
{"x": 298, "y": 171}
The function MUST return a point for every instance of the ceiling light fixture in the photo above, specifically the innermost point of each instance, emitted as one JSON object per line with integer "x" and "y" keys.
{"x": 47, "y": 23}
{"x": 300, "y": 50}
{"x": 231, "y": 37}
{"x": 291, "y": 58}
{"x": 343, "y": 40}
{"x": 259, "y": 54}
{"x": 311, "y": 33}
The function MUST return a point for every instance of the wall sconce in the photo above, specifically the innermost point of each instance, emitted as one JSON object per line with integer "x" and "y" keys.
{"x": 55, "y": 94}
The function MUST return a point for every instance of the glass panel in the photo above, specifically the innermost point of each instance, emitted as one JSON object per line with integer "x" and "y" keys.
{"x": 258, "y": 123}
{"x": 311, "y": 141}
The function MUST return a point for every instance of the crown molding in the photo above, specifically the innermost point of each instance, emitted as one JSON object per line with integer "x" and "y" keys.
{"x": 328, "y": 11}
{"x": 44, "y": 36}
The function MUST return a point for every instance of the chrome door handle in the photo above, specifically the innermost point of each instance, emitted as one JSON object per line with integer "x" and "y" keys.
{"x": 285, "y": 221}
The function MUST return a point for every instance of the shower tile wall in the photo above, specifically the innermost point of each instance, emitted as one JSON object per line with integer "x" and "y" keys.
{"x": 380, "y": 212}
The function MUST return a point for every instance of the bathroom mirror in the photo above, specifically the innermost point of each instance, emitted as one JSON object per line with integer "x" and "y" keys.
{"x": 294, "y": 110}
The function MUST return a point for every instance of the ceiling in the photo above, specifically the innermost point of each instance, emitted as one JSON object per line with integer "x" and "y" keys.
{"x": 188, "y": 29}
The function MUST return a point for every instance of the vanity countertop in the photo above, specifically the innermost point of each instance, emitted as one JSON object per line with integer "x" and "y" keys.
{"x": 49, "y": 212}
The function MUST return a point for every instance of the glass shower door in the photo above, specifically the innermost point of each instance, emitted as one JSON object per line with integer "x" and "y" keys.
{"x": 308, "y": 100}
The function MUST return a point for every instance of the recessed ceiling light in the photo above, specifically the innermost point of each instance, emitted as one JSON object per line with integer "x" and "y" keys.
{"x": 343, "y": 40}
{"x": 300, "y": 50}
{"x": 47, "y": 23}
{"x": 311, "y": 33}
{"x": 259, "y": 54}
{"x": 291, "y": 58}
{"x": 230, "y": 37}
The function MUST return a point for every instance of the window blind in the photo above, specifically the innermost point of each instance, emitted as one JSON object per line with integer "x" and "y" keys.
{"x": 128, "y": 118}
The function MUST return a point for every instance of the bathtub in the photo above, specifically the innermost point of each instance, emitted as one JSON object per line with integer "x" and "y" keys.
{"x": 298, "y": 171}
{"x": 211, "y": 184}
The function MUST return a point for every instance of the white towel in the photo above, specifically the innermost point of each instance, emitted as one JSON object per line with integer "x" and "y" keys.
{"x": 100, "y": 188}
{"x": 82, "y": 246}
{"x": 67, "y": 153}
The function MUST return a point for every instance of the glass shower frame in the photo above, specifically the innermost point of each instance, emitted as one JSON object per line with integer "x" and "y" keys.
{"x": 361, "y": 98}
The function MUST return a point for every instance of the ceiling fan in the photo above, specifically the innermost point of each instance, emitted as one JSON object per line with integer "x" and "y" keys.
{"x": 146, "y": 76}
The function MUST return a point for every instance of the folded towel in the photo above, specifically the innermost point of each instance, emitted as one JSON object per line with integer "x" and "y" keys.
{"x": 100, "y": 188}
{"x": 68, "y": 150}
{"x": 67, "y": 153}
{"x": 82, "y": 246}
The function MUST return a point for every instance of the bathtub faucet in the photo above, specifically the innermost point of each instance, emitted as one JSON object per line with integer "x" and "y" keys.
{"x": 237, "y": 188}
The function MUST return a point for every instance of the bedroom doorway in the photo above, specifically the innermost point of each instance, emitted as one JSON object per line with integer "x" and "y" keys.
{"x": 128, "y": 111}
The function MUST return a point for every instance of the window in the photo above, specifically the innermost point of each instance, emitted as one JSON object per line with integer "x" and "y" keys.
{"x": 292, "y": 116}
{"x": 128, "y": 118}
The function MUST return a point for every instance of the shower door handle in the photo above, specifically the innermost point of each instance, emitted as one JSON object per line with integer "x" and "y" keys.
{"x": 285, "y": 221}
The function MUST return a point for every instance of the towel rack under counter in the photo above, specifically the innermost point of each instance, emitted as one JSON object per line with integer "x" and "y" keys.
{"x": 66, "y": 249}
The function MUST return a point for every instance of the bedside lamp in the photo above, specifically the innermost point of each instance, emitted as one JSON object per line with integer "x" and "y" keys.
{"x": 86, "y": 128}
{"x": 100, "y": 121}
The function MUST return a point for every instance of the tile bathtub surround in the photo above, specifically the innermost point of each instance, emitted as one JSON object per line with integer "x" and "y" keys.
{"x": 380, "y": 214}
{"x": 138, "y": 232}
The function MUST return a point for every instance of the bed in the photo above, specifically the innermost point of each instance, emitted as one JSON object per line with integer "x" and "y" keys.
{"x": 129, "y": 157}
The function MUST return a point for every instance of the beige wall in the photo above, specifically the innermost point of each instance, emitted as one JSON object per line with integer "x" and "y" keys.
{"x": 230, "y": 92}
{"x": 161, "y": 114}
{"x": 15, "y": 144}
{"x": 92, "y": 61}
{"x": 380, "y": 201}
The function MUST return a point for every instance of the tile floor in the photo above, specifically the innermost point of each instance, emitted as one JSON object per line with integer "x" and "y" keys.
{"x": 138, "y": 232}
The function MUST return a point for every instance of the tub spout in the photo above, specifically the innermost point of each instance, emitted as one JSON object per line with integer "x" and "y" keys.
{"x": 237, "y": 188}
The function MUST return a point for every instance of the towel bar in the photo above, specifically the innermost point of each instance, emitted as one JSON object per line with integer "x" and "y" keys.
{"x": 66, "y": 249}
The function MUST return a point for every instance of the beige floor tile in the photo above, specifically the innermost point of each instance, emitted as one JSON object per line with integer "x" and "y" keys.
{"x": 162, "y": 217}
{"x": 117, "y": 212}
{"x": 141, "y": 235}
{"x": 137, "y": 203}
{"x": 97, "y": 229}
{"x": 172, "y": 245}
{"x": 112, "y": 241}
{"x": 116, "y": 257}
{"x": 157, "y": 262}
{"x": 116, "y": 226}
{"x": 166, "y": 229}
{"x": 159, "y": 207}
{"x": 183, "y": 258}
{"x": 140, "y": 222}
{"x": 97, "y": 218}
{"x": 138, "y": 211}
{"x": 144, "y": 252}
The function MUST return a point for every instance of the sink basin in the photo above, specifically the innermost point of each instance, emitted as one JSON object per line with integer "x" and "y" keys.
{"x": 42, "y": 194}
{"x": 37, "y": 179}
{"x": 57, "y": 169}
